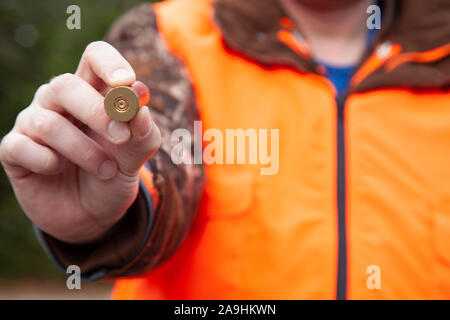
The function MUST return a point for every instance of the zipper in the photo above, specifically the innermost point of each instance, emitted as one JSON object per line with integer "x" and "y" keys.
{"x": 341, "y": 288}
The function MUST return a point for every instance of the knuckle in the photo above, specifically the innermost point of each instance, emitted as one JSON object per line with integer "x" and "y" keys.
{"x": 94, "y": 113}
{"x": 45, "y": 123}
{"x": 89, "y": 154}
{"x": 40, "y": 91}
{"x": 49, "y": 164}
{"x": 22, "y": 116}
{"x": 62, "y": 82}
{"x": 10, "y": 146}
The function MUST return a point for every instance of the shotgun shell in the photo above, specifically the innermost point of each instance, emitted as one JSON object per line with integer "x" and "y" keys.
{"x": 121, "y": 104}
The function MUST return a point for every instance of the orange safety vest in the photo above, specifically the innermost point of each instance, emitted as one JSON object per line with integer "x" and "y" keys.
{"x": 363, "y": 188}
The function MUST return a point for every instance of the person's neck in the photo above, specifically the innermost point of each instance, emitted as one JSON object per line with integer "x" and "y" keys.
{"x": 337, "y": 33}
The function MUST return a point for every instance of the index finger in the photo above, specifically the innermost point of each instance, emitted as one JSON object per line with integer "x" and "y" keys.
{"x": 103, "y": 66}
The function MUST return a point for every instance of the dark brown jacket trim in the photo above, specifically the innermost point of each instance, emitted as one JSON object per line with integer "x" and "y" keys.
{"x": 250, "y": 27}
{"x": 417, "y": 26}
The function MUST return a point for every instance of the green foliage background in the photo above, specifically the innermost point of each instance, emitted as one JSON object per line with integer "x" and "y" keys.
{"x": 22, "y": 70}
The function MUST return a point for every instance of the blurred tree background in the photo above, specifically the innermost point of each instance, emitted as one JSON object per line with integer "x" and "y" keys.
{"x": 35, "y": 46}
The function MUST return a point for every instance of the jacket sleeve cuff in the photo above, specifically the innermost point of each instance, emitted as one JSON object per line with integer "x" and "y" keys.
{"x": 114, "y": 251}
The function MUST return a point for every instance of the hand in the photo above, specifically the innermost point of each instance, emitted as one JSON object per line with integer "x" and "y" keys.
{"x": 74, "y": 170}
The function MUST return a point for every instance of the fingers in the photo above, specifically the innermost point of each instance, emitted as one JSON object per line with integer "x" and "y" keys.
{"x": 53, "y": 130}
{"x": 102, "y": 65}
{"x": 45, "y": 123}
{"x": 69, "y": 93}
{"x": 19, "y": 152}
{"x": 146, "y": 139}
{"x": 142, "y": 91}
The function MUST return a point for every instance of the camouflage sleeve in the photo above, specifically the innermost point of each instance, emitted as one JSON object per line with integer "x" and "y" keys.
{"x": 145, "y": 238}
{"x": 172, "y": 106}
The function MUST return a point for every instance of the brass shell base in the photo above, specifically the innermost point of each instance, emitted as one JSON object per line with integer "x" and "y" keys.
{"x": 121, "y": 104}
